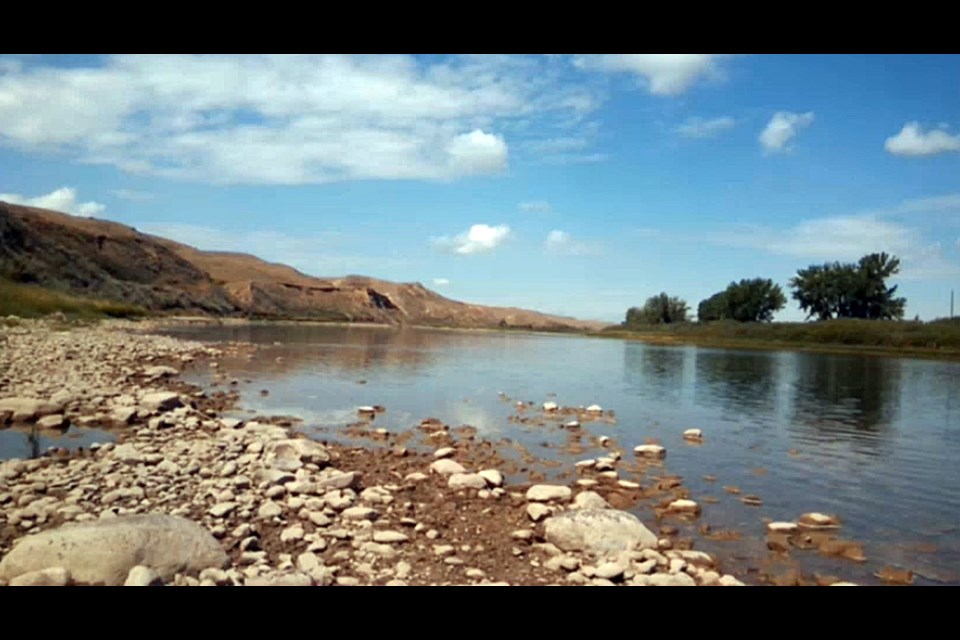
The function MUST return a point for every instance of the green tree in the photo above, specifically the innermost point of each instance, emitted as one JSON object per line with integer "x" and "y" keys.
{"x": 660, "y": 309}
{"x": 753, "y": 300}
{"x": 851, "y": 290}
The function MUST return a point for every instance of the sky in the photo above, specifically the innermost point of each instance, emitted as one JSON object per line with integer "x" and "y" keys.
{"x": 577, "y": 184}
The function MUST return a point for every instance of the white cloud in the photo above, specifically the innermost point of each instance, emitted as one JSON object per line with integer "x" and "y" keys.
{"x": 130, "y": 194}
{"x": 480, "y": 238}
{"x": 535, "y": 206}
{"x": 562, "y": 243}
{"x": 292, "y": 119}
{"x": 782, "y": 128}
{"x": 913, "y": 141}
{"x": 664, "y": 73}
{"x": 696, "y": 127}
{"x": 63, "y": 199}
{"x": 440, "y": 282}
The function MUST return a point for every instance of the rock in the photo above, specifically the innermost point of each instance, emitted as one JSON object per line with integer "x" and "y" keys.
{"x": 447, "y": 467}
{"x": 844, "y": 584}
{"x": 695, "y": 435}
{"x": 284, "y": 580}
{"x": 609, "y": 571}
{"x": 573, "y": 424}
{"x": 684, "y": 506}
{"x": 360, "y": 513}
{"x": 339, "y": 480}
{"x": 443, "y": 550}
{"x": 666, "y": 580}
{"x": 55, "y": 421}
{"x": 595, "y": 408}
{"x": 292, "y": 533}
{"x": 160, "y": 372}
{"x": 493, "y": 477}
{"x": 598, "y": 531}
{"x": 395, "y": 583}
{"x": 416, "y": 476}
{"x": 389, "y": 537}
{"x": 650, "y": 451}
{"x": 269, "y": 509}
{"x": 296, "y": 449}
{"x": 730, "y": 581}
{"x": 127, "y": 453}
{"x": 123, "y": 415}
{"x": 818, "y": 521}
{"x": 444, "y": 452}
{"x": 27, "y": 409}
{"x": 52, "y": 577}
{"x": 783, "y": 527}
{"x": 104, "y": 551}
{"x": 161, "y": 401}
{"x": 585, "y": 464}
{"x": 627, "y": 484}
{"x": 221, "y": 509}
{"x": 347, "y": 581}
{"x": 141, "y": 576}
{"x": 466, "y": 481}
{"x": 550, "y": 406}
{"x": 548, "y": 493}
{"x": 537, "y": 511}
{"x": 589, "y": 500}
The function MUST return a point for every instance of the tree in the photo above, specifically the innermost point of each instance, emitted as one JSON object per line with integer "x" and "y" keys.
{"x": 852, "y": 290}
{"x": 753, "y": 300}
{"x": 660, "y": 309}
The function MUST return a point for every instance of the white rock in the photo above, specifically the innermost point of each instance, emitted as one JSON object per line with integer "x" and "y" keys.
{"x": 589, "y": 500}
{"x": 55, "y": 421}
{"x": 730, "y": 581}
{"x": 360, "y": 513}
{"x": 537, "y": 512}
{"x": 269, "y": 509}
{"x": 609, "y": 571}
{"x": 595, "y": 408}
{"x": 141, "y": 576}
{"x": 466, "y": 481}
{"x": 161, "y": 401}
{"x": 444, "y": 452}
{"x": 52, "y": 577}
{"x": 783, "y": 527}
{"x": 447, "y": 467}
{"x": 548, "y": 493}
{"x": 221, "y": 509}
{"x": 598, "y": 531}
{"x": 693, "y": 434}
{"x": 493, "y": 477}
{"x": 550, "y": 406}
{"x": 390, "y": 537}
{"x": 650, "y": 451}
{"x": 684, "y": 506}
{"x": 818, "y": 521}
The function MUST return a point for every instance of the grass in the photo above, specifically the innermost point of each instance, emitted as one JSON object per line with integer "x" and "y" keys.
{"x": 939, "y": 338}
{"x": 31, "y": 301}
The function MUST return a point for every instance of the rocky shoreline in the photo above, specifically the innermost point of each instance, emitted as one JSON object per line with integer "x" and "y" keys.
{"x": 254, "y": 503}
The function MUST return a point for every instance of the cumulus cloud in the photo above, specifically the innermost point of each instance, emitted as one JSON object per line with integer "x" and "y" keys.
{"x": 913, "y": 141}
{"x": 63, "y": 199}
{"x": 535, "y": 206}
{"x": 664, "y": 74}
{"x": 132, "y": 195}
{"x": 440, "y": 282}
{"x": 696, "y": 127}
{"x": 480, "y": 238}
{"x": 562, "y": 243}
{"x": 782, "y": 128}
{"x": 292, "y": 119}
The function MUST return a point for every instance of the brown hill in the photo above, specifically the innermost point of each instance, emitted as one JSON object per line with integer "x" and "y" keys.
{"x": 112, "y": 261}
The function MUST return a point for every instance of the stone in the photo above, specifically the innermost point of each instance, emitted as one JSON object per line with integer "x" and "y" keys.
{"x": 818, "y": 521}
{"x": 221, "y": 509}
{"x": 650, "y": 451}
{"x": 695, "y": 435}
{"x": 783, "y": 527}
{"x": 466, "y": 481}
{"x": 585, "y": 464}
{"x": 444, "y": 452}
{"x": 609, "y": 571}
{"x": 160, "y": 372}
{"x": 550, "y": 406}
{"x": 27, "y": 409}
{"x": 493, "y": 477}
{"x": 52, "y": 577}
{"x": 296, "y": 449}
{"x": 684, "y": 506}
{"x": 573, "y": 424}
{"x": 589, "y": 500}
{"x": 54, "y": 421}
{"x": 360, "y": 513}
{"x": 347, "y": 581}
{"x": 599, "y": 531}
{"x": 283, "y": 580}
{"x": 123, "y": 415}
{"x": 390, "y": 537}
{"x": 161, "y": 401}
{"x": 730, "y": 581}
{"x": 292, "y": 533}
{"x": 595, "y": 408}
{"x": 104, "y": 551}
{"x": 141, "y": 576}
{"x": 447, "y": 467}
{"x": 666, "y": 580}
{"x": 269, "y": 509}
{"x": 538, "y": 512}
{"x": 548, "y": 493}
{"x": 338, "y": 480}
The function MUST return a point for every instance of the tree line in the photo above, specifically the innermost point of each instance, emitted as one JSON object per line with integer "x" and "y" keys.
{"x": 830, "y": 290}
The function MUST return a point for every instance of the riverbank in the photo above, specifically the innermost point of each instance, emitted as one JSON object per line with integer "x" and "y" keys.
{"x": 938, "y": 340}
{"x": 428, "y": 506}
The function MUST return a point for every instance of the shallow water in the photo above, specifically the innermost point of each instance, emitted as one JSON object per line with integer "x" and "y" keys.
{"x": 873, "y": 440}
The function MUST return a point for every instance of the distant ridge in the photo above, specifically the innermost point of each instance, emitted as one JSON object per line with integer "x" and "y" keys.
{"x": 111, "y": 261}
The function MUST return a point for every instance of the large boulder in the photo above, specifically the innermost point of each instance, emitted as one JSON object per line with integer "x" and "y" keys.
{"x": 27, "y": 409}
{"x": 598, "y": 531}
{"x": 104, "y": 551}
{"x": 298, "y": 450}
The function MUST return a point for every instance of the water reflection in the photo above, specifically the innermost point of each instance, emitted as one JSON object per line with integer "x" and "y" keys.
{"x": 835, "y": 394}
{"x": 741, "y": 382}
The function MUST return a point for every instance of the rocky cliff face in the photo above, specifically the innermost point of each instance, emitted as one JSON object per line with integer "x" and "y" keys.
{"x": 111, "y": 261}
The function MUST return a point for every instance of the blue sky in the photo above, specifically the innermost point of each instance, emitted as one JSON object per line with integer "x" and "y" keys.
{"x": 572, "y": 184}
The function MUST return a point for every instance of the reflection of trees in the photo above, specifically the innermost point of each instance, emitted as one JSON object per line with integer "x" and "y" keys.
{"x": 742, "y": 381}
{"x": 835, "y": 393}
{"x": 646, "y": 365}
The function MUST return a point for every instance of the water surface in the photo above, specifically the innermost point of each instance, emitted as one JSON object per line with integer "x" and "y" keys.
{"x": 873, "y": 440}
